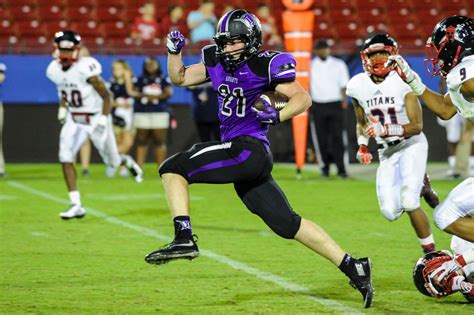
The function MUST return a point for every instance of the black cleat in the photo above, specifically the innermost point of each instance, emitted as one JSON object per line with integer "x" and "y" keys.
{"x": 177, "y": 249}
{"x": 362, "y": 280}
{"x": 430, "y": 196}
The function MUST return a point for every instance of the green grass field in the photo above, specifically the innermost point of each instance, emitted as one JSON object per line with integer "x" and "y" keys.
{"x": 95, "y": 265}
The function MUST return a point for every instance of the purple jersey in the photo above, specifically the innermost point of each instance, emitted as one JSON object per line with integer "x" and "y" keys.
{"x": 240, "y": 89}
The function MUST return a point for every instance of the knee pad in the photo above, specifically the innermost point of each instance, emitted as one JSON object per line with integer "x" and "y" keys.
{"x": 173, "y": 164}
{"x": 270, "y": 204}
{"x": 391, "y": 213}
{"x": 410, "y": 199}
{"x": 65, "y": 156}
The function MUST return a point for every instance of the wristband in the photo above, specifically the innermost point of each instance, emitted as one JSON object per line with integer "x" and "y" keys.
{"x": 102, "y": 120}
{"x": 394, "y": 130}
{"x": 363, "y": 140}
{"x": 417, "y": 85}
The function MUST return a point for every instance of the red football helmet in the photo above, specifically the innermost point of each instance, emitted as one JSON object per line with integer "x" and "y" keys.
{"x": 372, "y": 45}
{"x": 422, "y": 271}
{"x": 66, "y": 47}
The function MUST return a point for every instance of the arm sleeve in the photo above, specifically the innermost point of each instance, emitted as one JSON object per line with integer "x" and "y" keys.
{"x": 281, "y": 69}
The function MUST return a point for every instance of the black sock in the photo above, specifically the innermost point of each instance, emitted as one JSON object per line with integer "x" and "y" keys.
{"x": 347, "y": 265}
{"x": 182, "y": 228}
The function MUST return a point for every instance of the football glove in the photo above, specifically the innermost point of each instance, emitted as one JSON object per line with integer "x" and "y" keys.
{"x": 99, "y": 130}
{"x": 175, "y": 42}
{"x": 363, "y": 155}
{"x": 406, "y": 73}
{"x": 62, "y": 113}
{"x": 269, "y": 115}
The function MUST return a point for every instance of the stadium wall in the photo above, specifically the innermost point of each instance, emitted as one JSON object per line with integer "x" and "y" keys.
{"x": 31, "y": 131}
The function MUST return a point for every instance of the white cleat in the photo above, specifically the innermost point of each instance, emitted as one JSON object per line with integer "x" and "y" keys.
{"x": 133, "y": 168}
{"x": 74, "y": 211}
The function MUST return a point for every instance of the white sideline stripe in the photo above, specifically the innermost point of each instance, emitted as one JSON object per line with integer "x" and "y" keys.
{"x": 224, "y": 145}
{"x": 267, "y": 276}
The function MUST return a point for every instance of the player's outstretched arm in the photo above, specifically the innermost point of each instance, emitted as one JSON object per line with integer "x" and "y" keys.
{"x": 298, "y": 99}
{"x": 441, "y": 105}
{"x": 101, "y": 88}
{"x": 179, "y": 74}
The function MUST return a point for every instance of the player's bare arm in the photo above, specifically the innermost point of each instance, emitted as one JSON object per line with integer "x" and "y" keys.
{"x": 181, "y": 75}
{"x": 440, "y": 105}
{"x": 415, "y": 116}
{"x": 298, "y": 99}
{"x": 101, "y": 88}
{"x": 360, "y": 117}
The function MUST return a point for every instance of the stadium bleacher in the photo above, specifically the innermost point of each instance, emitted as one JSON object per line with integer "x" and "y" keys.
{"x": 28, "y": 25}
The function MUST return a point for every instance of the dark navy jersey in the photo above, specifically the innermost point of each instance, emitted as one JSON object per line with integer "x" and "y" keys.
{"x": 238, "y": 90}
{"x": 118, "y": 89}
{"x": 151, "y": 86}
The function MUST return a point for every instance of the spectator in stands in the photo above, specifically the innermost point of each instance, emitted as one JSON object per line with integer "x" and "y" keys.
{"x": 205, "y": 112}
{"x": 145, "y": 27}
{"x": 174, "y": 21}
{"x": 269, "y": 28}
{"x": 151, "y": 118}
{"x": 201, "y": 22}
{"x": 121, "y": 86}
{"x": 329, "y": 77}
{"x": 3, "y": 70}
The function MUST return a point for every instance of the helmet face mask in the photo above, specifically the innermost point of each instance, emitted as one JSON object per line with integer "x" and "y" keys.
{"x": 450, "y": 38}
{"x": 66, "y": 47}
{"x": 375, "y": 53}
{"x": 234, "y": 26}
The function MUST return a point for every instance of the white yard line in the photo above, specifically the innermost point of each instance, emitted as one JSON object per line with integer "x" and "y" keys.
{"x": 267, "y": 276}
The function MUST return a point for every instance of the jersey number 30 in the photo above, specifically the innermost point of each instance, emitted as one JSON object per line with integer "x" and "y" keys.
{"x": 75, "y": 100}
{"x": 228, "y": 95}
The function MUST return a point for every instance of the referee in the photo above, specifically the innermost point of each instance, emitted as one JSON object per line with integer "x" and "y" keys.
{"x": 329, "y": 77}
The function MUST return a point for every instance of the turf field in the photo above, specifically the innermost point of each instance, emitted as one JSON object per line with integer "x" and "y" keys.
{"x": 95, "y": 265}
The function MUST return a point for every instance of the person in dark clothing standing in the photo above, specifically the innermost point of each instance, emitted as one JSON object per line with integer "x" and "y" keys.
{"x": 205, "y": 112}
{"x": 329, "y": 77}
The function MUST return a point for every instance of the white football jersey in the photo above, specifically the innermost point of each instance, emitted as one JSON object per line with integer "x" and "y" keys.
{"x": 72, "y": 84}
{"x": 385, "y": 101}
{"x": 457, "y": 76}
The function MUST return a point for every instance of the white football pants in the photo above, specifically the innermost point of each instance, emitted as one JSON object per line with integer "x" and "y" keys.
{"x": 400, "y": 176}
{"x": 73, "y": 136}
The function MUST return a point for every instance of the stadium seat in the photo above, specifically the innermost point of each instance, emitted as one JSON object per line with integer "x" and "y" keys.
{"x": 87, "y": 29}
{"x": 109, "y": 13}
{"x": 80, "y": 13}
{"x": 112, "y": 3}
{"x": 21, "y": 2}
{"x": 340, "y": 4}
{"x": 370, "y": 4}
{"x": 52, "y": 12}
{"x": 31, "y": 31}
{"x": 342, "y": 15}
{"x": 116, "y": 30}
{"x": 372, "y": 15}
{"x": 84, "y": 3}
{"x": 350, "y": 31}
{"x": 425, "y": 5}
{"x": 397, "y": 5}
{"x": 323, "y": 30}
{"x": 23, "y": 12}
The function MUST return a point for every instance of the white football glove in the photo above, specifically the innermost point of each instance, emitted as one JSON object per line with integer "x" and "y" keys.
{"x": 62, "y": 113}
{"x": 406, "y": 73}
{"x": 375, "y": 128}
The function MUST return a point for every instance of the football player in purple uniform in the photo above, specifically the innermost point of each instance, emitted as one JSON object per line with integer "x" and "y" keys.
{"x": 240, "y": 73}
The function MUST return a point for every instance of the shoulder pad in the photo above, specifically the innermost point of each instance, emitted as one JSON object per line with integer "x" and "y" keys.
{"x": 354, "y": 85}
{"x": 52, "y": 70}
{"x": 89, "y": 67}
{"x": 282, "y": 68}
{"x": 208, "y": 55}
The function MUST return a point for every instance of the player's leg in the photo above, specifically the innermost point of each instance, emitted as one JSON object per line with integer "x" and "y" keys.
{"x": 159, "y": 139}
{"x": 388, "y": 185}
{"x": 71, "y": 138}
{"x": 322, "y": 129}
{"x": 455, "y": 214}
{"x": 265, "y": 199}
{"x": 143, "y": 136}
{"x": 85, "y": 156}
{"x": 463, "y": 149}
{"x": 209, "y": 162}
{"x": 108, "y": 151}
{"x": 412, "y": 168}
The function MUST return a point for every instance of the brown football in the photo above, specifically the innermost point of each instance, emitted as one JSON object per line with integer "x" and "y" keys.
{"x": 276, "y": 99}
